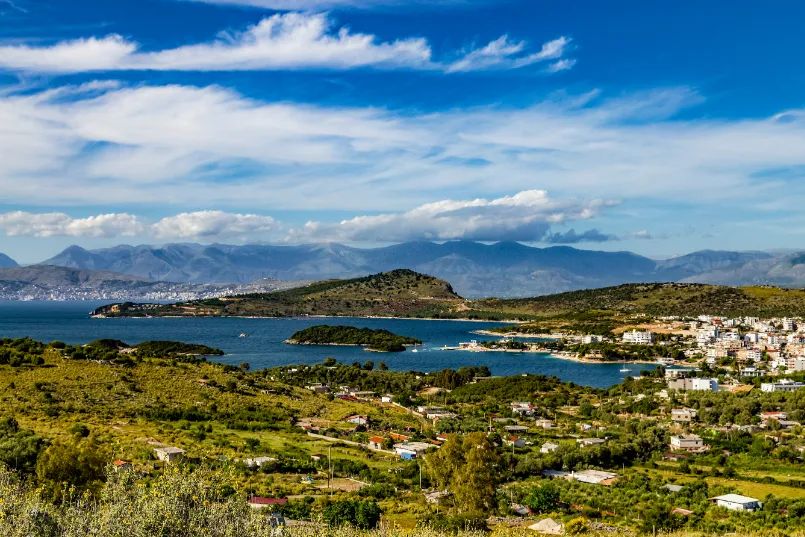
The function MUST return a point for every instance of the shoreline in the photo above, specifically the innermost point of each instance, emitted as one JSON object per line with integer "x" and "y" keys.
{"x": 516, "y": 334}
{"x": 463, "y": 320}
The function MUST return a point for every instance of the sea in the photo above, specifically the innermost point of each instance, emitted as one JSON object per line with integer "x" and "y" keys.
{"x": 264, "y": 345}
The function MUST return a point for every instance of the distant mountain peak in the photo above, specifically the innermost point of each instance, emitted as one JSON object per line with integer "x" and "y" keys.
{"x": 7, "y": 262}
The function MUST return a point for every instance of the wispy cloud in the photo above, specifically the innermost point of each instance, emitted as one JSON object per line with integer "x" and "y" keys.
{"x": 283, "y": 41}
{"x": 504, "y": 53}
{"x": 174, "y": 147}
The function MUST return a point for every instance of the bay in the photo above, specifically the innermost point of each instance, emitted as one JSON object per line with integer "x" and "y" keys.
{"x": 264, "y": 347}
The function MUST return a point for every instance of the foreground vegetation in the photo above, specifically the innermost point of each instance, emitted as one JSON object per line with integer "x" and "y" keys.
{"x": 64, "y": 417}
{"x": 376, "y": 340}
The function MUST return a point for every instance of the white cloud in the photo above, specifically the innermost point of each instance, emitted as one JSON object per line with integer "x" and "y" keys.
{"x": 282, "y": 41}
{"x": 202, "y": 225}
{"x": 506, "y": 54}
{"x": 526, "y": 216}
{"x": 173, "y": 147}
{"x": 22, "y": 224}
{"x": 207, "y": 225}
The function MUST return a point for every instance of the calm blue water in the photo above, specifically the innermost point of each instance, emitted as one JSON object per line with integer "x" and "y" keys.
{"x": 69, "y": 322}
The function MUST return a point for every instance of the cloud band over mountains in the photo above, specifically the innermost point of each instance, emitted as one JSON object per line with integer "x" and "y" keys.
{"x": 527, "y": 216}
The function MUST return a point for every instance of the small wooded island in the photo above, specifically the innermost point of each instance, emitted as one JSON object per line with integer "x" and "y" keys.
{"x": 373, "y": 340}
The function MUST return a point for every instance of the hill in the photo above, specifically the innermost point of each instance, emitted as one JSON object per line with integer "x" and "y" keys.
{"x": 659, "y": 299}
{"x": 7, "y": 262}
{"x": 376, "y": 340}
{"x": 399, "y": 293}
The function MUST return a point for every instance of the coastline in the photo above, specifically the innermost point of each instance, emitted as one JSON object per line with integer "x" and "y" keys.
{"x": 516, "y": 334}
{"x": 462, "y": 320}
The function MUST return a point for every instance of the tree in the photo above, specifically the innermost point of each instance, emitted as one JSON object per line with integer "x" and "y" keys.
{"x": 78, "y": 462}
{"x": 470, "y": 469}
{"x": 368, "y": 365}
{"x": 362, "y": 515}
{"x": 382, "y": 366}
{"x": 543, "y": 499}
{"x": 19, "y": 449}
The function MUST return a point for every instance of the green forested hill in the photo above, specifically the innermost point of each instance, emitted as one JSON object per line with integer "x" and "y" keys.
{"x": 405, "y": 293}
{"x": 399, "y": 293}
{"x": 378, "y": 340}
{"x": 660, "y": 299}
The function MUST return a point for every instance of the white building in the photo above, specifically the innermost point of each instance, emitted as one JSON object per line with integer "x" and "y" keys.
{"x": 755, "y": 355}
{"x": 784, "y": 385}
{"x": 694, "y": 384}
{"x": 169, "y": 454}
{"x": 707, "y": 335}
{"x": 586, "y": 442}
{"x": 683, "y": 415}
{"x": 736, "y": 502}
{"x": 638, "y": 338}
{"x": 586, "y": 340}
{"x": 797, "y": 364}
{"x": 411, "y": 450}
{"x": 594, "y": 477}
{"x": 548, "y": 447}
{"x": 731, "y": 336}
{"x": 752, "y": 372}
{"x": 752, "y": 337}
{"x": 789, "y": 325}
{"x": 687, "y": 442}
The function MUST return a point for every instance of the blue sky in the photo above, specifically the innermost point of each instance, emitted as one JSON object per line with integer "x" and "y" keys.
{"x": 656, "y": 127}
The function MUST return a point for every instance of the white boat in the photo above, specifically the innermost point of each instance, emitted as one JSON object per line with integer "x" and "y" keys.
{"x": 625, "y": 369}
{"x": 243, "y": 335}
{"x": 414, "y": 350}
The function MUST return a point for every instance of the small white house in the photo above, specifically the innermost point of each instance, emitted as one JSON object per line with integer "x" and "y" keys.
{"x": 358, "y": 420}
{"x": 736, "y": 502}
{"x": 514, "y": 441}
{"x": 169, "y": 454}
{"x": 386, "y": 398}
{"x": 687, "y": 442}
{"x": 548, "y": 447}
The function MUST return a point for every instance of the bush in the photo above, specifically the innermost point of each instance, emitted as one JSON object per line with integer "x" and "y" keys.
{"x": 577, "y": 526}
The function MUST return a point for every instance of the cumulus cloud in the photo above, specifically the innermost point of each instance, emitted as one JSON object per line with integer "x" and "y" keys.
{"x": 526, "y": 216}
{"x": 205, "y": 225}
{"x": 282, "y": 41}
{"x": 22, "y": 224}
{"x": 202, "y": 225}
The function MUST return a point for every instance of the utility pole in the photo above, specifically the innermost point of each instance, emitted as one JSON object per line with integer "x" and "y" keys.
{"x": 330, "y": 461}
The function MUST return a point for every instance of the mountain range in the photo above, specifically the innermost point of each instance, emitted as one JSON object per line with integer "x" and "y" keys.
{"x": 48, "y": 282}
{"x": 505, "y": 269}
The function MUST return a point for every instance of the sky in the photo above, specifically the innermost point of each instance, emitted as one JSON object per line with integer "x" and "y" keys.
{"x": 656, "y": 127}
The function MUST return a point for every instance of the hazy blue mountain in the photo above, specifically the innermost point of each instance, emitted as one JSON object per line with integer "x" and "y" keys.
{"x": 48, "y": 282}
{"x": 505, "y": 269}
{"x": 710, "y": 260}
{"x": 7, "y": 262}
{"x": 784, "y": 271}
